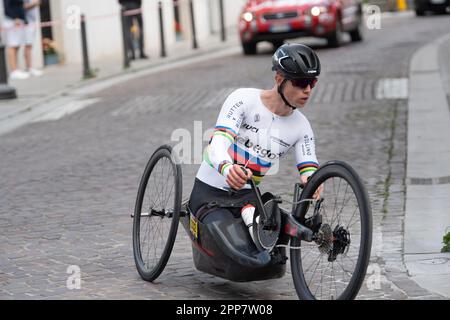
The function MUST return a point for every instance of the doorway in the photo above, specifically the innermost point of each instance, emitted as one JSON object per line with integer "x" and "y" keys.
{"x": 49, "y": 49}
{"x": 178, "y": 28}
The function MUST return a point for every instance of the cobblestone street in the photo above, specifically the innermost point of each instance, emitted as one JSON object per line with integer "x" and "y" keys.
{"x": 69, "y": 186}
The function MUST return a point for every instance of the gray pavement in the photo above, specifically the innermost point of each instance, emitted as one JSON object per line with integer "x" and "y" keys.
{"x": 428, "y": 177}
{"x": 69, "y": 181}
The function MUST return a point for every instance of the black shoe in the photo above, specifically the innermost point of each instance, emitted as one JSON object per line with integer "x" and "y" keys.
{"x": 143, "y": 56}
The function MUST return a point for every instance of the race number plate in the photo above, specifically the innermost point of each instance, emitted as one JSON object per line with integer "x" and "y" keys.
{"x": 280, "y": 28}
{"x": 193, "y": 226}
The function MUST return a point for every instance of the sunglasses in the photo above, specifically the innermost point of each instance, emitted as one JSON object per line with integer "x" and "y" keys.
{"x": 303, "y": 83}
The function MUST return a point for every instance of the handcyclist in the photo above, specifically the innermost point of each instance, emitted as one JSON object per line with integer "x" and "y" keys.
{"x": 254, "y": 130}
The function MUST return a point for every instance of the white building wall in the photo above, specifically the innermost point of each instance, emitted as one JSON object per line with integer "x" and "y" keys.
{"x": 102, "y": 27}
{"x": 232, "y": 10}
{"x": 201, "y": 11}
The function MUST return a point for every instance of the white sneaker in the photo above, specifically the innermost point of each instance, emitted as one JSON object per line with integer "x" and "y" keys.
{"x": 35, "y": 72}
{"x": 19, "y": 75}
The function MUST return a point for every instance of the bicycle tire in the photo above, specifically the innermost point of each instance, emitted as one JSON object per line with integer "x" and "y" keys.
{"x": 331, "y": 170}
{"x": 150, "y": 273}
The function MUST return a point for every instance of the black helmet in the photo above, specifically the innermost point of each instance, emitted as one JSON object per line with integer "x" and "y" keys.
{"x": 296, "y": 61}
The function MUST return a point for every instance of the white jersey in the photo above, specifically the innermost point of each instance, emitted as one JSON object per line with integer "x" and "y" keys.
{"x": 249, "y": 134}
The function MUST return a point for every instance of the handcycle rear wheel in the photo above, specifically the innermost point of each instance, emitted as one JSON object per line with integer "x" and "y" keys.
{"x": 334, "y": 265}
{"x": 157, "y": 213}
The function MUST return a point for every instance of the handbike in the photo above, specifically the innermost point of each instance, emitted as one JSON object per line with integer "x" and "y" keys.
{"x": 329, "y": 239}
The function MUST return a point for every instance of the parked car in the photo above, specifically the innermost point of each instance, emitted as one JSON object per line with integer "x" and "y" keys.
{"x": 438, "y": 6}
{"x": 279, "y": 20}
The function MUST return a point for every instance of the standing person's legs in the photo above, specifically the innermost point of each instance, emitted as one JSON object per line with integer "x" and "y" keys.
{"x": 14, "y": 40}
{"x": 28, "y": 56}
{"x": 12, "y": 58}
{"x": 28, "y": 52}
{"x": 30, "y": 34}
{"x": 141, "y": 35}
{"x": 129, "y": 37}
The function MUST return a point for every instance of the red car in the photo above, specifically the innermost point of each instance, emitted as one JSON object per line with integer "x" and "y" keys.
{"x": 278, "y": 20}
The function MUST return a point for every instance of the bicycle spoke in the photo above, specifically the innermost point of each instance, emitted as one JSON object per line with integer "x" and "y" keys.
{"x": 307, "y": 269}
{"x": 163, "y": 182}
{"x": 321, "y": 281}
{"x": 343, "y": 269}
{"x": 332, "y": 278}
{"x": 170, "y": 195}
{"x": 152, "y": 245}
{"x": 335, "y": 202}
{"x": 318, "y": 262}
{"x": 343, "y": 204}
{"x": 160, "y": 186}
{"x": 348, "y": 226}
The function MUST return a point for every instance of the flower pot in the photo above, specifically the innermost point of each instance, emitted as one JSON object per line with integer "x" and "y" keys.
{"x": 50, "y": 59}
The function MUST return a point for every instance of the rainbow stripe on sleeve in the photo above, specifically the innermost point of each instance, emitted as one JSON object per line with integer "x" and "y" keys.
{"x": 306, "y": 167}
{"x": 223, "y": 166}
{"x": 226, "y": 132}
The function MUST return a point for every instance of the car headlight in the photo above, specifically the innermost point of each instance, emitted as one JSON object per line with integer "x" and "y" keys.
{"x": 247, "y": 16}
{"x": 316, "y": 10}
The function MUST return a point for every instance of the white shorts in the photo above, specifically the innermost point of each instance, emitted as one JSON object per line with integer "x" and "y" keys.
{"x": 30, "y": 33}
{"x": 19, "y": 36}
{"x": 14, "y": 36}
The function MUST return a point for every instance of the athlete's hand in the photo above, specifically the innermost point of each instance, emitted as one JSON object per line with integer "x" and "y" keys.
{"x": 236, "y": 177}
{"x": 318, "y": 194}
{"x": 18, "y": 22}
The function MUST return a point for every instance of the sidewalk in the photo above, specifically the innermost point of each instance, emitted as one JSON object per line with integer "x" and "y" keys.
{"x": 428, "y": 170}
{"x": 59, "y": 84}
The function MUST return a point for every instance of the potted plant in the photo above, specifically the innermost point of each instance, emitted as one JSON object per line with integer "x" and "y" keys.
{"x": 50, "y": 53}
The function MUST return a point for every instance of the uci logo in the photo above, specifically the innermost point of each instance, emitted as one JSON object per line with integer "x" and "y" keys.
{"x": 251, "y": 128}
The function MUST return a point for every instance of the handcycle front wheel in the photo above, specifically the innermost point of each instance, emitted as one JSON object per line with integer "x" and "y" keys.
{"x": 157, "y": 213}
{"x": 334, "y": 265}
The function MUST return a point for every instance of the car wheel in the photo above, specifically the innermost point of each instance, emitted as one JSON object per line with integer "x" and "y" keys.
{"x": 420, "y": 12}
{"x": 335, "y": 40}
{"x": 277, "y": 44}
{"x": 443, "y": 10}
{"x": 249, "y": 48}
{"x": 356, "y": 34}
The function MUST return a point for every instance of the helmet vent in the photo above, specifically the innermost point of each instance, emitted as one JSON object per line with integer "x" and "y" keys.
{"x": 289, "y": 64}
{"x": 305, "y": 61}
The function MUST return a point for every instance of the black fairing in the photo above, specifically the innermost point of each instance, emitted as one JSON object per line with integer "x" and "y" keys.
{"x": 225, "y": 249}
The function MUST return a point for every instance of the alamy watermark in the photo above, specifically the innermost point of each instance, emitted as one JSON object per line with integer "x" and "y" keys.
{"x": 374, "y": 277}
{"x": 73, "y": 21}
{"x": 74, "y": 280}
{"x": 189, "y": 146}
{"x": 373, "y": 21}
